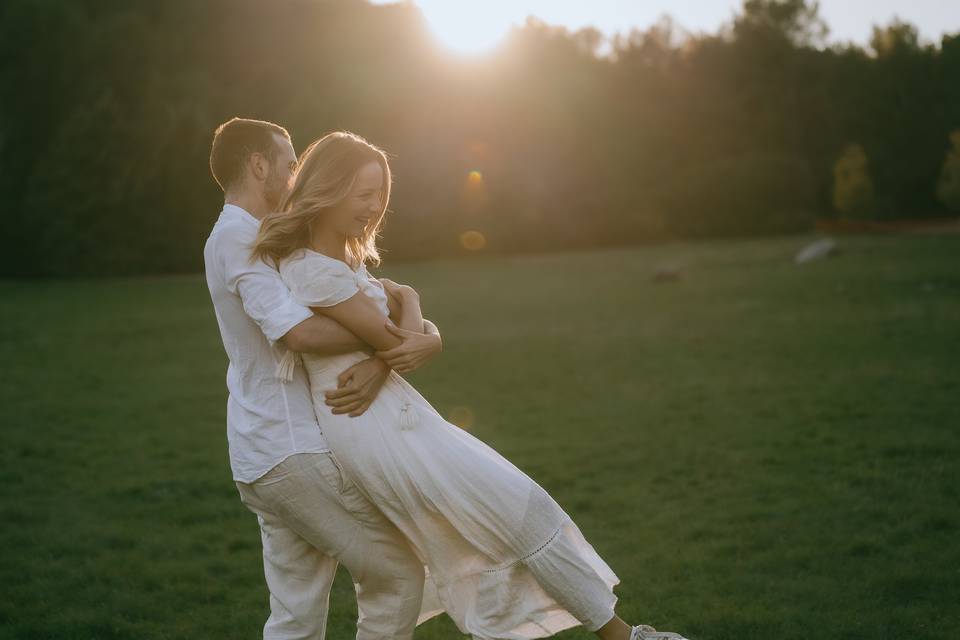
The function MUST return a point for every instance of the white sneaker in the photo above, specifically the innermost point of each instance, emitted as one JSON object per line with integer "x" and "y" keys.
{"x": 646, "y": 632}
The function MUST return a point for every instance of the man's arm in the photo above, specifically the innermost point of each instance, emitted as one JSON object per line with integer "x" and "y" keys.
{"x": 267, "y": 301}
{"x": 322, "y": 335}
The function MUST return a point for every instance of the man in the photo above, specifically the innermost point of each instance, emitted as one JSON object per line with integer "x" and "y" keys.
{"x": 311, "y": 516}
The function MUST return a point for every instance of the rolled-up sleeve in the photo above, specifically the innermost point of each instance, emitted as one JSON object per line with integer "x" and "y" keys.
{"x": 266, "y": 299}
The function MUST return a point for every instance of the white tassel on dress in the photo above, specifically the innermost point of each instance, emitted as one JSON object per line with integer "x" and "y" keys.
{"x": 287, "y": 364}
{"x": 408, "y": 416}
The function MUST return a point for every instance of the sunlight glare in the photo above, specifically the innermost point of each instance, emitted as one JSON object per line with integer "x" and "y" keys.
{"x": 470, "y": 27}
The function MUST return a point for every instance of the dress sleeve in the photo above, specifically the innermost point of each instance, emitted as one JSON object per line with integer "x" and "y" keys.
{"x": 316, "y": 281}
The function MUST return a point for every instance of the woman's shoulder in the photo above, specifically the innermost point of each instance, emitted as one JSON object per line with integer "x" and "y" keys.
{"x": 306, "y": 262}
{"x": 317, "y": 280}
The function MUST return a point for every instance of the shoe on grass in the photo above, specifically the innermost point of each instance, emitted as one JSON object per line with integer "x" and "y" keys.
{"x": 646, "y": 632}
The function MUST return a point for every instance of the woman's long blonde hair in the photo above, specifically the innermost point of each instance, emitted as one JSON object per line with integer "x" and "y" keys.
{"x": 327, "y": 171}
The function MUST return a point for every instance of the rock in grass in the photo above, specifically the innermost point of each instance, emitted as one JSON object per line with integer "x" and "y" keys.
{"x": 667, "y": 274}
{"x": 823, "y": 248}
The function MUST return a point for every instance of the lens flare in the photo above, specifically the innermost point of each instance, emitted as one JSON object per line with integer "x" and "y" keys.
{"x": 473, "y": 240}
{"x": 462, "y": 417}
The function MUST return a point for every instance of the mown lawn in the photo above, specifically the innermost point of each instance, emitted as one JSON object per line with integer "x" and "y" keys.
{"x": 761, "y": 451}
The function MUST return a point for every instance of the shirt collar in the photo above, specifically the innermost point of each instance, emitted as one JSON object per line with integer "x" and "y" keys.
{"x": 232, "y": 209}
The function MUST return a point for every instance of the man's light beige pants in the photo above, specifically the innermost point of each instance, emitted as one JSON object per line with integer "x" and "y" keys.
{"x": 312, "y": 517}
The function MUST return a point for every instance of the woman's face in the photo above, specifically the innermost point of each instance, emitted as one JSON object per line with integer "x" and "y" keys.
{"x": 362, "y": 205}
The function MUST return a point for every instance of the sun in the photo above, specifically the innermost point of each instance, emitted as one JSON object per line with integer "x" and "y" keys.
{"x": 468, "y": 27}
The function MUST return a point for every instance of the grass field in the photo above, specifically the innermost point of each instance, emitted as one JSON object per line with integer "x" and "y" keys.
{"x": 760, "y": 451}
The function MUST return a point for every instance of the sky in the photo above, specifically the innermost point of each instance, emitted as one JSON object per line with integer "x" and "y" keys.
{"x": 471, "y": 26}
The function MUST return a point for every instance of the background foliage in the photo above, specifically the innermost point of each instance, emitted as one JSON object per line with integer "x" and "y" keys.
{"x": 108, "y": 106}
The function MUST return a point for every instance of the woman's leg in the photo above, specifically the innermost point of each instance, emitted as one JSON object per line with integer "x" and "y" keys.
{"x": 571, "y": 572}
{"x": 616, "y": 629}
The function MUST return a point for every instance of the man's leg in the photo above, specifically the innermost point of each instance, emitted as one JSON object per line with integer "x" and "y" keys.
{"x": 314, "y": 499}
{"x": 298, "y": 575}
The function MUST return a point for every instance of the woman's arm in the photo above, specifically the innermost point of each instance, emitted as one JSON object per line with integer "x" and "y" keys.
{"x": 411, "y": 316}
{"x": 419, "y": 345}
{"x": 396, "y": 296}
{"x": 429, "y": 328}
{"x": 395, "y": 304}
{"x": 361, "y": 315}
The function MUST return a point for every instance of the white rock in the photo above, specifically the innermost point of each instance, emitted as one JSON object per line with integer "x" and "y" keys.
{"x": 823, "y": 248}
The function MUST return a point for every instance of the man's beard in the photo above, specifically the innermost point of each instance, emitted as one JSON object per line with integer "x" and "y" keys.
{"x": 273, "y": 191}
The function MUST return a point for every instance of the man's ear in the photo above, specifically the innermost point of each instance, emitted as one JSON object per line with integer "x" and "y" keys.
{"x": 259, "y": 165}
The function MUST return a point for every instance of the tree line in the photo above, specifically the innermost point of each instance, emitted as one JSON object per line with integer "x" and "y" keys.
{"x": 558, "y": 139}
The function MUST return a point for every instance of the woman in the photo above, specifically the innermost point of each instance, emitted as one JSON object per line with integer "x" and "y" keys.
{"x": 503, "y": 559}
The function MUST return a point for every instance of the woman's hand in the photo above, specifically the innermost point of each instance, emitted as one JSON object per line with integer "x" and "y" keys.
{"x": 414, "y": 352}
{"x": 399, "y": 291}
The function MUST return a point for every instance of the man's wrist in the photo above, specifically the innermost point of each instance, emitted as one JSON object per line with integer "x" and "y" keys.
{"x": 383, "y": 363}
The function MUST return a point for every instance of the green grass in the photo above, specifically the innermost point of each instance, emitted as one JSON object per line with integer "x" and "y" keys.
{"x": 760, "y": 451}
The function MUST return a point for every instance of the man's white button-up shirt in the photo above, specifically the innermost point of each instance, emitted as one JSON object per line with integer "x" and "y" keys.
{"x": 267, "y": 419}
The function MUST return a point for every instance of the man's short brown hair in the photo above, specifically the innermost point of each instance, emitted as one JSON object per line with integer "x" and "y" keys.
{"x": 234, "y": 141}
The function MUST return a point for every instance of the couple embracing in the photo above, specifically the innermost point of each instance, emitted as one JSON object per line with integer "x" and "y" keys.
{"x": 341, "y": 459}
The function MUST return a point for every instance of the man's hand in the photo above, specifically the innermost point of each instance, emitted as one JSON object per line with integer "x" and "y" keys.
{"x": 416, "y": 350}
{"x": 357, "y": 387}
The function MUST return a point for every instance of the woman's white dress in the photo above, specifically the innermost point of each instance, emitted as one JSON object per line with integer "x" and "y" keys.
{"x": 503, "y": 559}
